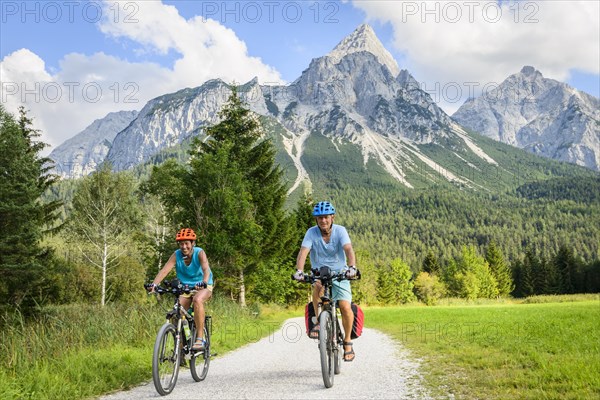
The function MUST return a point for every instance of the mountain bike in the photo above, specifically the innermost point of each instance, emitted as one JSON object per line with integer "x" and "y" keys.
{"x": 331, "y": 337}
{"x": 173, "y": 344}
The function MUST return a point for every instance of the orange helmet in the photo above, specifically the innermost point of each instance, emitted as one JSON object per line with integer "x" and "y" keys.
{"x": 185, "y": 234}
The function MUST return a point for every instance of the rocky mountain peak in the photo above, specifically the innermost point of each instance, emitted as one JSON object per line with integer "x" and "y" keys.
{"x": 528, "y": 70}
{"x": 81, "y": 155}
{"x": 364, "y": 39}
{"x": 544, "y": 116}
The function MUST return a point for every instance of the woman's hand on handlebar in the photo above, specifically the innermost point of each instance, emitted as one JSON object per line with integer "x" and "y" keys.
{"x": 150, "y": 287}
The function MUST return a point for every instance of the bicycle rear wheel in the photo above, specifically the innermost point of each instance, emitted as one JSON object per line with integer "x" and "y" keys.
{"x": 200, "y": 360}
{"x": 165, "y": 360}
{"x": 326, "y": 346}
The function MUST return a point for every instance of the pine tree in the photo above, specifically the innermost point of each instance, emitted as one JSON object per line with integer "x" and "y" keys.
{"x": 225, "y": 215}
{"x": 430, "y": 264}
{"x": 565, "y": 266}
{"x": 550, "y": 284}
{"x": 538, "y": 273}
{"x": 499, "y": 269}
{"x": 592, "y": 277}
{"x": 24, "y": 218}
{"x": 527, "y": 277}
{"x": 304, "y": 217}
{"x": 517, "y": 274}
{"x": 242, "y": 132}
{"x": 234, "y": 194}
{"x": 386, "y": 292}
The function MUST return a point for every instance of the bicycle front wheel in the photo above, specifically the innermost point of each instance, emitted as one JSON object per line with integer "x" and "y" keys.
{"x": 326, "y": 345}
{"x": 338, "y": 349}
{"x": 200, "y": 360}
{"x": 165, "y": 360}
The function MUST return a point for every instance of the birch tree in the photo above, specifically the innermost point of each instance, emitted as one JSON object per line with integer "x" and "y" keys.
{"x": 105, "y": 213}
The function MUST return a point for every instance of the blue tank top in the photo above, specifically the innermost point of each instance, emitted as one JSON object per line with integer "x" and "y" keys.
{"x": 190, "y": 274}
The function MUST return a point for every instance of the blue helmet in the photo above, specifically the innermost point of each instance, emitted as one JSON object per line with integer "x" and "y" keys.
{"x": 323, "y": 208}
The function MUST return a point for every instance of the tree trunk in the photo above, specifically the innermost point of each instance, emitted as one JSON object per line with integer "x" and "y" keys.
{"x": 161, "y": 236}
{"x": 242, "y": 290}
{"x": 104, "y": 267}
{"x": 160, "y": 240}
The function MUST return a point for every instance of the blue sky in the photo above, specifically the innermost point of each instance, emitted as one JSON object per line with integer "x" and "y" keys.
{"x": 81, "y": 60}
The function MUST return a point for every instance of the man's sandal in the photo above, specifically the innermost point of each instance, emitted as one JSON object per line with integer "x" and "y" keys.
{"x": 199, "y": 345}
{"x": 349, "y": 353}
{"x": 314, "y": 332}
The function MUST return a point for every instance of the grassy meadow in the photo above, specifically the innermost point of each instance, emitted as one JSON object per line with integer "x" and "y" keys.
{"x": 83, "y": 351}
{"x": 543, "y": 348}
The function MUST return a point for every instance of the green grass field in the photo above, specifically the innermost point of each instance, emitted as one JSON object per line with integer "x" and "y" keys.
{"x": 548, "y": 348}
{"x": 83, "y": 351}
{"x": 506, "y": 351}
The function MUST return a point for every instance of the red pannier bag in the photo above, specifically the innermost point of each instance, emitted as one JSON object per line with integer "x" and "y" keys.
{"x": 309, "y": 312}
{"x": 359, "y": 321}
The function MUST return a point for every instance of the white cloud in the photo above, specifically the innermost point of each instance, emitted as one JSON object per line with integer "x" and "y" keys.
{"x": 86, "y": 87}
{"x": 208, "y": 49}
{"x": 454, "y": 43}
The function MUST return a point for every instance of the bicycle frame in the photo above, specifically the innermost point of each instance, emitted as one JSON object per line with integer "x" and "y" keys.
{"x": 176, "y": 317}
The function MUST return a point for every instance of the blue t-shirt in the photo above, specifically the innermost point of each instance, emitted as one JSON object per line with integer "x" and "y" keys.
{"x": 330, "y": 254}
{"x": 190, "y": 274}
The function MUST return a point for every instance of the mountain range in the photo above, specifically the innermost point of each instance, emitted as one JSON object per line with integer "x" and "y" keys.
{"x": 355, "y": 105}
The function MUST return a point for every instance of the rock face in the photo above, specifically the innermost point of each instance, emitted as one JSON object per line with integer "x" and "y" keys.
{"x": 356, "y": 93}
{"x": 82, "y": 154}
{"x": 167, "y": 121}
{"x": 541, "y": 115}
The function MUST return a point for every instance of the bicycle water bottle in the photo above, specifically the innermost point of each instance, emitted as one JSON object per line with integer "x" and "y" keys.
{"x": 186, "y": 328}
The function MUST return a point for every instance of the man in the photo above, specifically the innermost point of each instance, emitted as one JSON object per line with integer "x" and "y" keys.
{"x": 191, "y": 266}
{"x": 329, "y": 245}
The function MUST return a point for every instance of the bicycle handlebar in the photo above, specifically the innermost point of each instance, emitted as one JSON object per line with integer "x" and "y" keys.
{"x": 175, "y": 289}
{"x": 333, "y": 276}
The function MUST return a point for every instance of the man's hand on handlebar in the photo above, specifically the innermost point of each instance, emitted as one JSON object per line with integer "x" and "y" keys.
{"x": 299, "y": 275}
{"x": 352, "y": 272}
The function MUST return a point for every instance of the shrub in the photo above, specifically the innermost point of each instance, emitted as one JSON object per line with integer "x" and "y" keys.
{"x": 428, "y": 288}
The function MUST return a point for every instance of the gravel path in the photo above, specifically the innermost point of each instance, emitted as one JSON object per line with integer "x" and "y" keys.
{"x": 286, "y": 365}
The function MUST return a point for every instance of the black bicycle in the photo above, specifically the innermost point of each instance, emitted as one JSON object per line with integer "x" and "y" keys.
{"x": 174, "y": 342}
{"x": 331, "y": 337}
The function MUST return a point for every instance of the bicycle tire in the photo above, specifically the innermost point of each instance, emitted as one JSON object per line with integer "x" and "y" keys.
{"x": 326, "y": 339}
{"x": 338, "y": 350}
{"x": 165, "y": 359}
{"x": 200, "y": 361}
